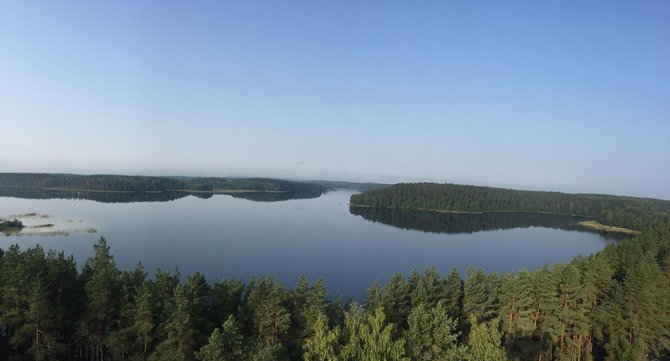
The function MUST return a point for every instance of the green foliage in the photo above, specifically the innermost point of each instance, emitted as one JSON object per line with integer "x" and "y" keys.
{"x": 480, "y": 292}
{"x": 371, "y": 338}
{"x": 484, "y": 342}
{"x": 432, "y": 334}
{"x": 102, "y": 286}
{"x": 267, "y": 304}
{"x": 322, "y": 344}
{"x": 614, "y": 305}
{"x": 122, "y": 183}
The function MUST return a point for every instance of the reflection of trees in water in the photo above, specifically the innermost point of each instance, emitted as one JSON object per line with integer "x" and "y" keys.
{"x": 276, "y": 196}
{"x": 130, "y": 197}
{"x": 435, "y": 222}
{"x": 103, "y": 197}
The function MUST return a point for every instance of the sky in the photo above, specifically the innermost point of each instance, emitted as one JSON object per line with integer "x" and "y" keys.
{"x": 549, "y": 95}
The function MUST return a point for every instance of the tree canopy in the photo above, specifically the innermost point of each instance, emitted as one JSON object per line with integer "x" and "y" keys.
{"x": 609, "y": 306}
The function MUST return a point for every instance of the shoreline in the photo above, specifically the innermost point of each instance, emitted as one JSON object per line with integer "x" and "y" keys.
{"x": 589, "y": 224}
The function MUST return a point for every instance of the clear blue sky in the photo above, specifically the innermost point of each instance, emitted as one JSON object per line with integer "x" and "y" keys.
{"x": 556, "y": 95}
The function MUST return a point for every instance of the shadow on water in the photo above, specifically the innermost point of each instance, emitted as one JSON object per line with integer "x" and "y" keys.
{"x": 455, "y": 223}
{"x": 131, "y": 197}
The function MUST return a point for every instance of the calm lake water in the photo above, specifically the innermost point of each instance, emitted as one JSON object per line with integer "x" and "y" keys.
{"x": 224, "y": 236}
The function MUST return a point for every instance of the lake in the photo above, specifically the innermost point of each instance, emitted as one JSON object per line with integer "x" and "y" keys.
{"x": 222, "y": 236}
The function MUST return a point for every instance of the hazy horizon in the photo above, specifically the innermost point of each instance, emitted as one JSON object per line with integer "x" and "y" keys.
{"x": 569, "y": 96}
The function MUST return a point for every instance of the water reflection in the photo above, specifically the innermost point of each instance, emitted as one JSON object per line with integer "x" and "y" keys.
{"x": 455, "y": 223}
{"x": 131, "y": 197}
{"x": 275, "y": 196}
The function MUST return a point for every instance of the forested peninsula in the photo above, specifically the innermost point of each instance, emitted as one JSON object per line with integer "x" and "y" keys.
{"x": 614, "y": 305}
{"x": 628, "y": 212}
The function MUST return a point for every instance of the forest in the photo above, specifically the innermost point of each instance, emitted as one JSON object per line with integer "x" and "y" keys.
{"x": 614, "y": 305}
{"x": 125, "y": 183}
{"x": 629, "y": 212}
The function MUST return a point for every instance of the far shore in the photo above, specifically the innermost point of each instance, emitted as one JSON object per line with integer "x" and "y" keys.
{"x": 214, "y": 191}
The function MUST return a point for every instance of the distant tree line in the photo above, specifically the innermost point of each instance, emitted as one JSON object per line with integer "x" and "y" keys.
{"x": 629, "y": 212}
{"x": 123, "y": 183}
{"x": 614, "y": 305}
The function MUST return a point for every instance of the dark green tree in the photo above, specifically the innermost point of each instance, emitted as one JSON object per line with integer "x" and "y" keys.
{"x": 432, "y": 334}
{"x": 101, "y": 280}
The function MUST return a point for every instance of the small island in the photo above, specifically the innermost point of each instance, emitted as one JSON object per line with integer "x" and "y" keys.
{"x": 11, "y": 226}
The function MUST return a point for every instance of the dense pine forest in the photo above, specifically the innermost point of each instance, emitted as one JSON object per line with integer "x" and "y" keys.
{"x": 123, "y": 183}
{"x": 614, "y": 305}
{"x": 628, "y": 212}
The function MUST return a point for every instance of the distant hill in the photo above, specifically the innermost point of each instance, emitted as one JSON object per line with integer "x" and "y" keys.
{"x": 629, "y": 212}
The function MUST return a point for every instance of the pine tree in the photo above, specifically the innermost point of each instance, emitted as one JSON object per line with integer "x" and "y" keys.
{"x": 40, "y": 324}
{"x": 226, "y": 298}
{"x": 308, "y": 304}
{"x": 432, "y": 334}
{"x": 66, "y": 294}
{"x": 429, "y": 289}
{"x": 572, "y": 317}
{"x": 224, "y": 344}
{"x": 184, "y": 324}
{"x": 143, "y": 320}
{"x": 214, "y": 350}
{"x": 646, "y": 309}
{"x": 101, "y": 279}
{"x": 396, "y": 300}
{"x": 454, "y": 294}
{"x": 545, "y": 306}
{"x": 516, "y": 305}
{"x": 122, "y": 341}
{"x": 267, "y": 304}
{"x": 479, "y": 295}
{"x": 371, "y": 338}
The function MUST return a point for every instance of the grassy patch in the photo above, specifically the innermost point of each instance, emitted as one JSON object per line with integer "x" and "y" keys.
{"x": 601, "y": 227}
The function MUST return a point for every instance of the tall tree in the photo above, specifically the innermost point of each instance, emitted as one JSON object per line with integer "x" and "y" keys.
{"x": 40, "y": 325}
{"x": 185, "y": 322}
{"x": 646, "y": 308}
{"x": 454, "y": 294}
{"x": 432, "y": 334}
{"x": 479, "y": 295}
{"x": 101, "y": 279}
{"x": 267, "y": 302}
